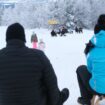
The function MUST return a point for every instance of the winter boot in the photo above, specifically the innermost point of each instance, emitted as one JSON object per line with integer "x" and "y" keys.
{"x": 83, "y": 101}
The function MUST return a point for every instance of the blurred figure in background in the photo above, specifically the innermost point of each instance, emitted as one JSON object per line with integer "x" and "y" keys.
{"x": 53, "y": 33}
{"x": 64, "y": 31}
{"x": 34, "y": 40}
{"x": 41, "y": 45}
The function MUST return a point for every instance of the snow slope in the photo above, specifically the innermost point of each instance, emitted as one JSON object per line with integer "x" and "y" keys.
{"x": 65, "y": 54}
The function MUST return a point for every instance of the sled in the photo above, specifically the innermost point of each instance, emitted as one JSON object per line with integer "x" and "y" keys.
{"x": 96, "y": 99}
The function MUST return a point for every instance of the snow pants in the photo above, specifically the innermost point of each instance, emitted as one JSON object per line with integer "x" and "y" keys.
{"x": 34, "y": 44}
{"x": 83, "y": 77}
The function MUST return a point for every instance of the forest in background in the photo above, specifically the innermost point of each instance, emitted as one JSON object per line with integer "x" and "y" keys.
{"x": 70, "y": 13}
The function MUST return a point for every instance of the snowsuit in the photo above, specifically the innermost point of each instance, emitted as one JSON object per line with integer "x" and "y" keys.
{"x": 34, "y": 40}
{"x": 92, "y": 78}
{"x": 96, "y": 62}
{"x": 41, "y": 46}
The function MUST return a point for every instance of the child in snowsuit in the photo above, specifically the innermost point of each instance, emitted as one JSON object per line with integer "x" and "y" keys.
{"x": 34, "y": 40}
{"x": 41, "y": 45}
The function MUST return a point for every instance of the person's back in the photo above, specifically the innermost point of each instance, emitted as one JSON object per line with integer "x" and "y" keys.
{"x": 26, "y": 75}
{"x": 20, "y": 75}
{"x": 97, "y": 56}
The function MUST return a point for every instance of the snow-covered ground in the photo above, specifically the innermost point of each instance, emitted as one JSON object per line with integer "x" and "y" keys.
{"x": 65, "y": 54}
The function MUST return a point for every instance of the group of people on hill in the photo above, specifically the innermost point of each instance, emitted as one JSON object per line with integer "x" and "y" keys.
{"x": 61, "y": 32}
{"x": 64, "y": 30}
{"x": 28, "y": 78}
{"x": 78, "y": 29}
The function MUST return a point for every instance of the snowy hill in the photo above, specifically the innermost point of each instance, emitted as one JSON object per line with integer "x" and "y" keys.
{"x": 65, "y": 54}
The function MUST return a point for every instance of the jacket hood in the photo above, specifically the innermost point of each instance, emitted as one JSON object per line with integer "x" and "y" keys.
{"x": 99, "y": 39}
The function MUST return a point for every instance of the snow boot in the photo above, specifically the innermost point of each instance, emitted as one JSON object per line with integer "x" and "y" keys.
{"x": 83, "y": 101}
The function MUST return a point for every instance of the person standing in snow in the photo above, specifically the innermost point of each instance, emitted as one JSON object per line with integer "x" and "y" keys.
{"x": 34, "y": 40}
{"x": 41, "y": 45}
{"x": 26, "y": 75}
{"x": 91, "y": 78}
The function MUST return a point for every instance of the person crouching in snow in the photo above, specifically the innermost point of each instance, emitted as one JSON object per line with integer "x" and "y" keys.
{"x": 91, "y": 78}
{"x": 34, "y": 40}
{"x": 41, "y": 45}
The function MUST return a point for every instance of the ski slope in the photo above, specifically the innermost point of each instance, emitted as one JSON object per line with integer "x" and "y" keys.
{"x": 65, "y": 54}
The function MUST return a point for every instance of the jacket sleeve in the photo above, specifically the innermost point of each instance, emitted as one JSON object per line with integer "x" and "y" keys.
{"x": 50, "y": 81}
{"x": 89, "y": 63}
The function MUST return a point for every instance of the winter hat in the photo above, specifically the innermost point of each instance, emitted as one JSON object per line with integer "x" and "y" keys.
{"x": 100, "y": 24}
{"x": 98, "y": 28}
{"x": 15, "y": 31}
{"x": 101, "y": 19}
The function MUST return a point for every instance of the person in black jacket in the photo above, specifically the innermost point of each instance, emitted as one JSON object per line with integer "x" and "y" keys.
{"x": 26, "y": 75}
{"x": 53, "y": 33}
{"x": 64, "y": 31}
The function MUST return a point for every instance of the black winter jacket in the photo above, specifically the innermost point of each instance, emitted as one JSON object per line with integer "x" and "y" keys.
{"x": 26, "y": 76}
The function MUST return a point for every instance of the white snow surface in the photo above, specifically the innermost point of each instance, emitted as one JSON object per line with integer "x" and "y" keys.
{"x": 65, "y": 53}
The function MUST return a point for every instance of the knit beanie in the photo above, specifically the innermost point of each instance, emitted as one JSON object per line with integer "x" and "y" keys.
{"x": 100, "y": 24}
{"x": 101, "y": 20}
{"x": 15, "y": 31}
{"x": 98, "y": 28}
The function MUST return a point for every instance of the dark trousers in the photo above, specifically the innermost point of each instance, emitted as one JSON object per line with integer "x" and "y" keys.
{"x": 83, "y": 77}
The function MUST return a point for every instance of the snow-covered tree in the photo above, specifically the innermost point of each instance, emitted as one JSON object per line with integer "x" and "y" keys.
{"x": 27, "y": 13}
{"x": 1, "y": 13}
{"x": 31, "y": 14}
{"x": 98, "y": 7}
